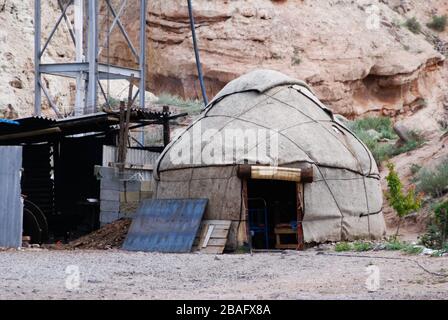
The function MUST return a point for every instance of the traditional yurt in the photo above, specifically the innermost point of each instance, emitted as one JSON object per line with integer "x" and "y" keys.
{"x": 273, "y": 160}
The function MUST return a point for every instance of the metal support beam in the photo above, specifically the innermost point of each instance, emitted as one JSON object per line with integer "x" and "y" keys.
{"x": 67, "y": 22}
{"x": 79, "y": 42}
{"x": 142, "y": 61}
{"x": 55, "y": 28}
{"x": 86, "y": 68}
{"x": 122, "y": 29}
{"x": 104, "y": 72}
{"x": 50, "y": 100}
{"x": 37, "y": 61}
{"x": 92, "y": 47}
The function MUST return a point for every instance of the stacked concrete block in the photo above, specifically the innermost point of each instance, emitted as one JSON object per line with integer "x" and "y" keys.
{"x": 122, "y": 193}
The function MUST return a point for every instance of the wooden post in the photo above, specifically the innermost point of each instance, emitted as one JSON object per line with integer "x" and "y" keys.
{"x": 166, "y": 126}
{"x": 120, "y": 159}
{"x": 125, "y": 119}
{"x": 128, "y": 120}
{"x": 300, "y": 215}
{"x": 445, "y": 218}
{"x": 246, "y": 213}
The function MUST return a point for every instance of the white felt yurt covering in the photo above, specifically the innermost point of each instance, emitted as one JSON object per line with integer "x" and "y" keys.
{"x": 343, "y": 203}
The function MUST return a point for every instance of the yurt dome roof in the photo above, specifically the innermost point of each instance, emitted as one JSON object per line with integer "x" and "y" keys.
{"x": 265, "y": 99}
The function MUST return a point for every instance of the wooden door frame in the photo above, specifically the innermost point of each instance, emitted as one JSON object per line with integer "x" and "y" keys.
{"x": 300, "y": 212}
{"x": 300, "y": 187}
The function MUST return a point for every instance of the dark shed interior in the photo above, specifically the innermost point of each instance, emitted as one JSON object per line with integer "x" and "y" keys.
{"x": 61, "y": 193}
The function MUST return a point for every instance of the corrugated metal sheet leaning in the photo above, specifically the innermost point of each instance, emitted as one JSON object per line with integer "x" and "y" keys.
{"x": 11, "y": 205}
{"x": 167, "y": 226}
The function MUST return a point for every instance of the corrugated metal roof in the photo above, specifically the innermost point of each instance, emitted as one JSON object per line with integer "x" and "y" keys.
{"x": 6, "y": 121}
{"x": 166, "y": 226}
{"x": 26, "y": 124}
{"x": 92, "y": 123}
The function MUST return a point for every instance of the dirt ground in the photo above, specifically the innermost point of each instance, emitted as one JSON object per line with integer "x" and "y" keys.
{"x": 113, "y": 274}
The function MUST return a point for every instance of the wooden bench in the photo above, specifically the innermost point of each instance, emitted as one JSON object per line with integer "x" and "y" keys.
{"x": 281, "y": 230}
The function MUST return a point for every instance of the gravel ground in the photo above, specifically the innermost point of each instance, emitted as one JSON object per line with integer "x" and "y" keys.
{"x": 43, "y": 274}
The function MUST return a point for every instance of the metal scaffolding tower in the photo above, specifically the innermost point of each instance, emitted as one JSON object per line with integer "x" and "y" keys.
{"x": 86, "y": 69}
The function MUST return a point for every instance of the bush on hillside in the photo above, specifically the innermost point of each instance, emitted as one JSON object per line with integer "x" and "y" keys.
{"x": 383, "y": 126}
{"x": 437, "y": 232}
{"x": 438, "y": 23}
{"x": 190, "y": 106}
{"x": 404, "y": 203}
{"x": 433, "y": 182}
{"x": 413, "y": 25}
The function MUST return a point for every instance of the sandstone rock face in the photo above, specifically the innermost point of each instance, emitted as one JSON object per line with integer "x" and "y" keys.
{"x": 357, "y": 55}
{"x": 17, "y": 58}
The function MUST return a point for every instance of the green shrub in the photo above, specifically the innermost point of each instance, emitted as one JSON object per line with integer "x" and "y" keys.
{"x": 413, "y": 25}
{"x": 382, "y": 125}
{"x": 382, "y": 151}
{"x": 431, "y": 238}
{"x": 191, "y": 106}
{"x": 361, "y": 246}
{"x": 441, "y": 221}
{"x": 437, "y": 231}
{"x": 438, "y": 23}
{"x": 343, "y": 246}
{"x": 402, "y": 203}
{"x": 242, "y": 249}
{"x": 415, "y": 168}
{"x": 436, "y": 235}
{"x": 416, "y": 141}
{"x": 433, "y": 182}
{"x": 295, "y": 60}
{"x": 394, "y": 245}
{"x": 410, "y": 249}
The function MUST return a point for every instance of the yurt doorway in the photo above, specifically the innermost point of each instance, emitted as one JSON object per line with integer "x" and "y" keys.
{"x": 272, "y": 214}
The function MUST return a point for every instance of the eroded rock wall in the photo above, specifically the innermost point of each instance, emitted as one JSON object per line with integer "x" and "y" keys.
{"x": 17, "y": 58}
{"x": 358, "y": 55}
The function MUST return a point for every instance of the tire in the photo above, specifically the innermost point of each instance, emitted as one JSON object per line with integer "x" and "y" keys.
{"x": 40, "y": 217}
{"x": 31, "y": 227}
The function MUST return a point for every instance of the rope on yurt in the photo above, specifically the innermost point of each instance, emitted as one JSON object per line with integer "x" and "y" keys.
{"x": 345, "y": 146}
{"x": 196, "y": 52}
{"x": 293, "y": 142}
{"x": 166, "y": 150}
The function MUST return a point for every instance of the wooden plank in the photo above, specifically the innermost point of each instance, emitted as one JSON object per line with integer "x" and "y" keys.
{"x": 284, "y": 231}
{"x": 210, "y": 230}
{"x": 218, "y": 222}
{"x": 212, "y": 236}
{"x": 217, "y": 234}
{"x": 217, "y": 228}
{"x": 220, "y": 234}
{"x": 286, "y": 246}
{"x": 217, "y": 242}
{"x": 213, "y": 250}
{"x": 211, "y": 242}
